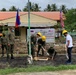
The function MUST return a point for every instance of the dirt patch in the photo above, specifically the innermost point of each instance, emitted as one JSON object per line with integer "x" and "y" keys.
{"x": 21, "y": 62}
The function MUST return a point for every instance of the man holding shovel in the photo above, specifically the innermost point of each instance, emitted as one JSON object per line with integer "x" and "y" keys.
{"x": 69, "y": 45}
{"x": 41, "y": 45}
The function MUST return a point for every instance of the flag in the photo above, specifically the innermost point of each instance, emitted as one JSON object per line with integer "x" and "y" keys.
{"x": 17, "y": 19}
{"x": 61, "y": 19}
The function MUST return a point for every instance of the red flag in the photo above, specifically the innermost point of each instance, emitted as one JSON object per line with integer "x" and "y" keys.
{"x": 17, "y": 19}
{"x": 61, "y": 19}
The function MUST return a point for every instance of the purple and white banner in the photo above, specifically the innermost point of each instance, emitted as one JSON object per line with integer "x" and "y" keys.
{"x": 49, "y": 33}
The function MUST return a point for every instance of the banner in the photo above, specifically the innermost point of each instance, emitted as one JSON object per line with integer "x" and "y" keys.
{"x": 49, "y": 33}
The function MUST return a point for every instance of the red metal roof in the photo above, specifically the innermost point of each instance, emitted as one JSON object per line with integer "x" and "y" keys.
{"x": 50, "y": 15}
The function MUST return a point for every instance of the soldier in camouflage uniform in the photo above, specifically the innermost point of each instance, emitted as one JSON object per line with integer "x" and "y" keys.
{"x": 4, "y": 44}
{"x": 11, "y": 41}
{"x": 33, "y": 44}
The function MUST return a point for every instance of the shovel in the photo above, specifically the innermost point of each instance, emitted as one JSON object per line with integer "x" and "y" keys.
{"x": 66, "y": 52}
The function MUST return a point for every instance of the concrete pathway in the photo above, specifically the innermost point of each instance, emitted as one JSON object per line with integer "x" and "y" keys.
{"x": 66, "y": 72}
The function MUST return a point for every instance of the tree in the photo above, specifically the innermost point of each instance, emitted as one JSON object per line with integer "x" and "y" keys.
{"x": 13, "y": 8}
{"x": 54, "y": 7}
{"x": 48, "y": 8}
{"x": 26, "y": 7}
{"x": 37, "y": 8}
{"x": 63, "y": 8}
{"x": 33, "y": 7}
{"x": 3, "y": 9}
{"x": 70, "y": 22}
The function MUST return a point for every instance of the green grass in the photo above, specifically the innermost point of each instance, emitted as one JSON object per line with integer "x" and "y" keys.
{"x": 31, "y": 68}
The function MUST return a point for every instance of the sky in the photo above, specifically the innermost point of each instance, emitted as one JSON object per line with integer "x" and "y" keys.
{"x": 42, "y": 3}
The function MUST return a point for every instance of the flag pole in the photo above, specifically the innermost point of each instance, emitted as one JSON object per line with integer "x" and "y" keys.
{"x": 30, "y": 59}
{"x": 29, "y": 40}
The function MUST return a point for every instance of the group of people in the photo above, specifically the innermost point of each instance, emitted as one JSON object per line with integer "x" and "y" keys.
{"x": 7, "y": 42}
{"x": 40, "y": 40}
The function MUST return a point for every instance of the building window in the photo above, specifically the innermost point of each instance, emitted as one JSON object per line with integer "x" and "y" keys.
{"x": 17, "y": 31}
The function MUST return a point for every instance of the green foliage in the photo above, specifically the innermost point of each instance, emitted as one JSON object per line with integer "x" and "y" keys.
{"x": 54, "y": 7}
{"x": 48, "y": 8}
{"x": 13, "y": 8}
{"x": 63, "y": 8}
{"x": 33, "y": 7}
{"x": 3, "y": 9}
{"x": 32, "y": 68}
{"x": 36, "y": 7}
{"x": 70, "y": 22}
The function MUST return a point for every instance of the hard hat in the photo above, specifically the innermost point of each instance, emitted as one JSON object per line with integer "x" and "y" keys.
{"x": 64, "y": 31}
{"x": 43, "y": 38}
{"x": 39, "y": 34}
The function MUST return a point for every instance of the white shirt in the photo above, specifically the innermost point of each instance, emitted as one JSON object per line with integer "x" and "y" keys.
{"x": 69, "y": 38}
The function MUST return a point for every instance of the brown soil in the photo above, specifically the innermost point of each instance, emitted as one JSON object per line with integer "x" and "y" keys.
{"x": 21, "y": 61}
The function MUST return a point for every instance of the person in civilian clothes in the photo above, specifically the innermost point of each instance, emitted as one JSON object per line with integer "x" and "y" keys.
{"x": 69, "y": 45}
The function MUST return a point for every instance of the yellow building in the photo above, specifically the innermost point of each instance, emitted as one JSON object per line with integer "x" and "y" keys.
{"x": 37, "y": 20}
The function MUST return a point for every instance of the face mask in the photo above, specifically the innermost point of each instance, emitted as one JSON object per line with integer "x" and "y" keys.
{"x": 12, "y": 30}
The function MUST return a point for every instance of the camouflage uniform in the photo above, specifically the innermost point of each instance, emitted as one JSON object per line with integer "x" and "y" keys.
{"x": 4, "y": 44}
{"x": 40, "y": 45}
{"x": 11, "y": 41}
{"x": 33, "y": 44}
